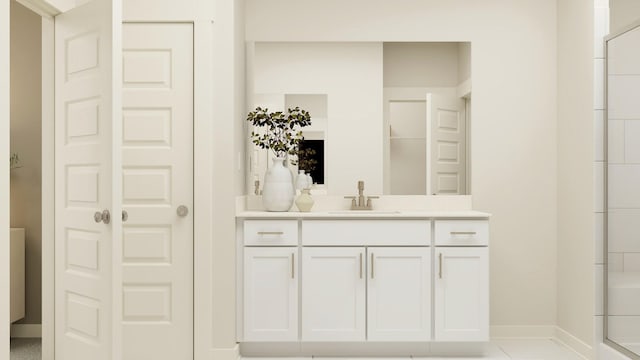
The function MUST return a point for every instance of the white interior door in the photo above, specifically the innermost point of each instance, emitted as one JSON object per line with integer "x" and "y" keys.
{"x": 86, "y": 102}
{"x": 446, "y": 166}
{"x": 157, "y": 177}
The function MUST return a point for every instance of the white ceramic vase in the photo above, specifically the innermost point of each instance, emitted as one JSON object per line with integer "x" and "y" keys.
{"x": 304, "y": 202}
{"x": 278, "y": 192}
{"x": 302, "y": 182}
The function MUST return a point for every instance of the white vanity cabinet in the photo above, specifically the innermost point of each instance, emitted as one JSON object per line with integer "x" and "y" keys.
{"x": 270, "y": 280}
{"x": 399, "y": 294}
{"x": 271, "y": 293}
{"x": 310, "y": 281}
{"x": 333, "y": 294}
{"x": 461, "y": 302}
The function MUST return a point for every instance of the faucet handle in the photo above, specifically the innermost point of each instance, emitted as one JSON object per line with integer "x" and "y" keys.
{"x": 369, "y": 200}
{"x": 353, "y": 201}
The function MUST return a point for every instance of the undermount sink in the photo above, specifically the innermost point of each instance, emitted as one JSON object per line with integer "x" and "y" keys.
{"x": 373, "y": 212}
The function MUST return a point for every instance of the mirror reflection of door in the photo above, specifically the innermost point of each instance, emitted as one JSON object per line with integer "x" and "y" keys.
{"x": 427, "y": 146}
{"x": 426, "y": 92}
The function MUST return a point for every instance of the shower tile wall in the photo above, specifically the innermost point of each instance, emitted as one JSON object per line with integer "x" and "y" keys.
{"x": 624, "y": 153}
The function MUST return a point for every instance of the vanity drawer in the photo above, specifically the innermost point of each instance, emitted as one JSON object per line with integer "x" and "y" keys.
{"x": 366, "y": 232}
{"x": 270, "y": 232}
{"x": 462, "y": 232}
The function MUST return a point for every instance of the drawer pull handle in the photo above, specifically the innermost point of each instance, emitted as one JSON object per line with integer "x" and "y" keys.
{"x": 270, "y": 233}
{"x": 293, "y": 266}
{"x": 372, "y": 273}
{"x": 463, "y": 233}
{"x": 360, "y": 265}
{"x": 440, "y": 266}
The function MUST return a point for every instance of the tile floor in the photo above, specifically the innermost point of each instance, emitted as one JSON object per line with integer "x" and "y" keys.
{"x": 506, "y": 349}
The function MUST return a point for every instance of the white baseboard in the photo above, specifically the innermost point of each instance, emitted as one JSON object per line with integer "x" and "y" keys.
{"x": 225, "y": 354}
{"x": 26, "y": 330}
{"x": 574, "y": 343}
{"x": 523, "y": 332}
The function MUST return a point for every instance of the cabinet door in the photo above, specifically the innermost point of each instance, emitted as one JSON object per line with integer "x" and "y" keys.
{"x": 462, "y": 294}
{"x": 399, "y": 294}
{"x": 270, "y": 294}
{"x": 333, "y": 294}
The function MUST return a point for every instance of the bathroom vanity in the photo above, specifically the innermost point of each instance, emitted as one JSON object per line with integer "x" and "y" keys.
{"x": 341, "y": 283}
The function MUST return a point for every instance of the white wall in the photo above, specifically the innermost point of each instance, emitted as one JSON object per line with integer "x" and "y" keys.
{"x": 575, "y": 169}
{"x": 26, "y": 182}
{"x": 350, "y": 74}
{"x": 514, "y": 111}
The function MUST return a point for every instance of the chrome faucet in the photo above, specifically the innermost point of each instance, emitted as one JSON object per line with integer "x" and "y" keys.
{"x": 363, "y": 202}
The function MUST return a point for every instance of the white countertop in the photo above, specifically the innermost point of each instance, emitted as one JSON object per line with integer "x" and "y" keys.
{"x": 364, "y": 214}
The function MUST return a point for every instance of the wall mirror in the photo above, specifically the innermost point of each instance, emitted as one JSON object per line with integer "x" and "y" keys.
{"x": 394, "y": 114}
{"x": 622, "y": 217}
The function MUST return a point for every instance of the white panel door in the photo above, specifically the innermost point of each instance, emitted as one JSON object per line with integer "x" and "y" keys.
{"x": 462, "y": 294}
{"x": 333, "y": 294}
{"x": 157, "y": 178}
{"x": 86, "y": 102}
{"x": 270, "y": 294}
{"x": 399, "y": 294}
{"x": 446, "y": 145}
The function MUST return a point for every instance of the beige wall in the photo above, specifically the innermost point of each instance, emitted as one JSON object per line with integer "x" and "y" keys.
{"x": 464, "y": 61}
{"x": 514, "y": 118}
{"x": 575, "y": 168}
{"x": 25, "y": 140}
{"x": 623, "y": 13}
{"x": 420, "y": 64}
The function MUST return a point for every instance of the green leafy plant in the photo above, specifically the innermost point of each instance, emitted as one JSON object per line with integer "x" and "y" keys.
{"x": 14, "y": 161}
{"x": 306, "y": 159}
{"x": 278, "y": 131}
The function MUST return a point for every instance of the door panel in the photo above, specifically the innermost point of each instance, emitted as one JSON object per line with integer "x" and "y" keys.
{"x": 270, "y": 294}
{"x": 333, "y": 295}
{"x": 85, "y": 104}
{"x": 399, "y": 294}
{"x": 447, "y": 145}
{"x": 157, "y": 178}
{"x": 462, "y": 294}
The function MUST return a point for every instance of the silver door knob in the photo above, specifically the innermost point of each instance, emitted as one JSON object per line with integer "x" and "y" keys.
{"x": 104, "y": 216}
{"x": 182, "y": 211}
{"x": 125, "y": 215}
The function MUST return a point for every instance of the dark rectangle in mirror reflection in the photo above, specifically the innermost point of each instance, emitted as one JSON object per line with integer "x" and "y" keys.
{"x": 312, "y": 159}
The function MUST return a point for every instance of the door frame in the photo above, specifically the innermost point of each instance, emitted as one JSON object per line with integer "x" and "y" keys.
{"x": 5, "y": 72}
{"x": 203, "y": 112}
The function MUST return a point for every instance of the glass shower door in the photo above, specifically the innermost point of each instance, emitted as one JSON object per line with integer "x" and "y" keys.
{"x": 622, "y": 245}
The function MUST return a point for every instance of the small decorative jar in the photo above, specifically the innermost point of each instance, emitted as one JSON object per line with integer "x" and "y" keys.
{"x": 305, "y": 202}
